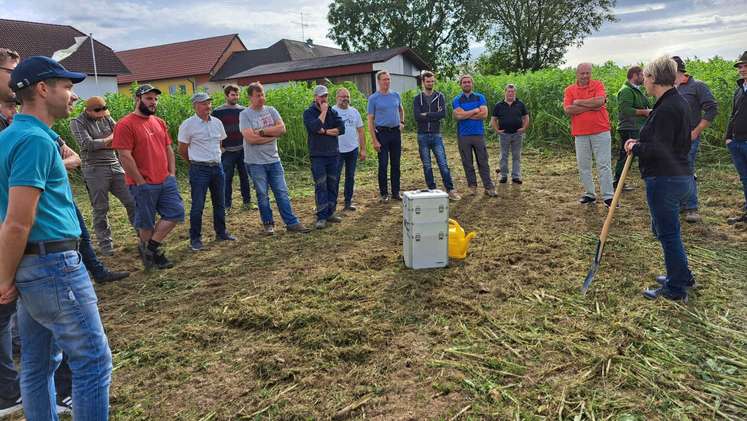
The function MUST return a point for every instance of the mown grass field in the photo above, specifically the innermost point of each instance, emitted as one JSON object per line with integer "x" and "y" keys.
{"x": 332, "y": 325}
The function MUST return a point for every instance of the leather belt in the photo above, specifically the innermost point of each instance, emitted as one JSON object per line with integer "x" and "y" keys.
{"x": 46, "y": 247}
{"x": 205, "y": 164}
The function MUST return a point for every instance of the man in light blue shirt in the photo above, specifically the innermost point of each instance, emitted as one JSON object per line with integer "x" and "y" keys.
{"x": 41, "y": 265}
{"x": 386, "y": 119}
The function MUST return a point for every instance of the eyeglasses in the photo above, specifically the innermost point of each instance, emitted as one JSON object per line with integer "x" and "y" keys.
{"x": 100, "y": 109}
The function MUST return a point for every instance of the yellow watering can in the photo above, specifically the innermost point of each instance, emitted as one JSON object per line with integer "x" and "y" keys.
{"x": 458, "y": 241}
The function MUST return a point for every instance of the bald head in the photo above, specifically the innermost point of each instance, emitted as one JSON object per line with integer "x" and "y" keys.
{"x": 583, "y": 74}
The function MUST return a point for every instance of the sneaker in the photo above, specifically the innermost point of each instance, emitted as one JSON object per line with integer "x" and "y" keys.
{"x": 320, "y": 224}
{"x": 249, "y": 206}
{"x": 298, "y": 227}
{"x": 10, "y": 406}
{"x": 195, "y": 245}
{"x": 109, "y": 276}
{"x": 608, "y": 203}
{"x": 491, "y": 192}
{"x": 334, "y": 219}
{"x": 503, "y": 180}
{"x": 587, "y": 199}
{"x": 64, "y": 405}
{"x": 662, "y": 280}
{"x": 454, "y": 196}
{"x": 627, "y": 187}
{"x": 268, "y": 229}
{"x": 106, "y": 250}
{"x": 384, "y": 198}
{"x": 161, "y": 262}
{"x": 146, "y": 256}
{"x": 349, "y": 207}
{"x": 666, "y": 292}
{"x": 517, "y": 181}
{"x": 736, "y": 219}
{"x": 692, "y": 216}
{"x": 397, "y": 197}
{"x": 225, "y": 237}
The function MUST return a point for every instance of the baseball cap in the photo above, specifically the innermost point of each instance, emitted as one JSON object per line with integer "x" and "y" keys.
{"x": 200, "y": 97}
{"x": 742, "y": 59}
{"x": 320, "y": 90}
{"x": 144, "y": 89}
{"x": 680, "y": 64}
{"x": 38, "y": 68}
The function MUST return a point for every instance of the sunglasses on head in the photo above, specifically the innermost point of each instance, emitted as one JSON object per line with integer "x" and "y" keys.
{"x": 100, "y": 109}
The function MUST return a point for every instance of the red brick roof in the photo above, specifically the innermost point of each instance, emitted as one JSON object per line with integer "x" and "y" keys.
{"x": 43, "y": 39}
{"x": 180, "y": 59}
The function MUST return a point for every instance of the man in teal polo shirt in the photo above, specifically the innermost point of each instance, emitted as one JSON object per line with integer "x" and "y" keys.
{"x": 470, "y": 109}
{"x": 38, "y": 241}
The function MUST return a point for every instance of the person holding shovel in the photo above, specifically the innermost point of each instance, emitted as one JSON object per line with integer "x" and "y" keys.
{"x": 662, "y": 151}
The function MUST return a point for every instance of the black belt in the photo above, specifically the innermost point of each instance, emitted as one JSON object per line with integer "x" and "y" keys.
{"x": 46, "y": 247}
{"x": 387, "y": 129}
{"x": 205, "y": 164}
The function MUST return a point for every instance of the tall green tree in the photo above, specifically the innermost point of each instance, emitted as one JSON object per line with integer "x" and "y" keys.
{"x": 439, "y": 31}
{"x": 527, "y": 35}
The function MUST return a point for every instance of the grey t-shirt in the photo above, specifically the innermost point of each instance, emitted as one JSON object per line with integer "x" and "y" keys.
{"x": 266, "y": 153}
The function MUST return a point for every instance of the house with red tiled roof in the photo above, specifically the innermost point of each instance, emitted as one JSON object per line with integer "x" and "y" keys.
{"x": 179, "y": 67}
{"x": 84, "y": 54}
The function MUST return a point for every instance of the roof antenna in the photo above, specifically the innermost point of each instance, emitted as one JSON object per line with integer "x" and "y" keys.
{"x": 303, "y": 26}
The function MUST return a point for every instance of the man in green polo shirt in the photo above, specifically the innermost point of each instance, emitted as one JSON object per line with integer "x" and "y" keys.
{"x": 633, "y": 109}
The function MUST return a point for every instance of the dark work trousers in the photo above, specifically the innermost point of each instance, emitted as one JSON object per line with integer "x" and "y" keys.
{"x": 391, "y": 151}
{"x": 622, "y": 155}
{"x": 475, "y": 144}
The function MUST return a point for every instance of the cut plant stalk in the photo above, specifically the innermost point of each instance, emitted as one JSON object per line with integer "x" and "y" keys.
{"x": 606, "y": 227}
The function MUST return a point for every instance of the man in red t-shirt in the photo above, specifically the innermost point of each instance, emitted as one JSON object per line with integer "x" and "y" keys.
{"x": 585, "y": 102}
{"x": 144, "y": 146}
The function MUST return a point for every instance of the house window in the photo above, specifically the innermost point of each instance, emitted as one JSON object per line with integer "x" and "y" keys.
{"x": 183, "y": 89}
{"x": 172, "y": 89}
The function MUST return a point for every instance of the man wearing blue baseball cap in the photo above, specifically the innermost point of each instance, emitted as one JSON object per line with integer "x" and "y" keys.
{"x": 39, "y": 243}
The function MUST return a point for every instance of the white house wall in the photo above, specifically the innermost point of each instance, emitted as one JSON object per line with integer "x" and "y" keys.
{"x": 89, "y": 88}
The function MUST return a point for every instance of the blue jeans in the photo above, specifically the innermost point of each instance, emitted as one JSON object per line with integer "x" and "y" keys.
{"x": 233, "y": 160}
{"x": 9, "y": 387}
{"x": 349, "y": 160}
{"x": 738, "y": 150}
{"x": 201, "y": 179}
{"x": 57, "y": 311}
{"x": 691, "y": 201}
{"x": 326, "y": 184}
{"x": 428, "y": 142}
{"x": 390, "y": 152}
{"x": 664, "y": 195}
{"x": 272, "y": 176}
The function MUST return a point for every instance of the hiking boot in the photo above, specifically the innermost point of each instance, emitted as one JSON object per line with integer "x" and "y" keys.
{"x": 692, "y": 216}
{"x": 225, "y": 237}
{"x": 587, "y": 200}
{"x": 473, "y": 190}
{"x": 608, "y": 203}
{"x": 146, "y": 255}
{"x": 454, "y": 196}
{"x": 64, "y": 404}
{"x": 491, "y": 192}
{"x": 10, "y": 406}
{"x": 384, "y": 198}
{"x": 334, "y": 219}
{"x": 320, "y": 224}
{"x": 397, "y": 197}
{"x": 662, "y": 280}
{"x": 517, "y": 181}
{"x": 736, "y": 219}
{"x": 349, "y": 207}
{"x": 268, "y": 229}
{"x": 161, "y": 262}
{"x": 666, "y": 292}
{"x": 195, "y": 245}
{"x": 627, "y": 187}
{"x": 109, "y": 276}
{"x": 503, "y": 180}
{"x": 298, "y": 227}
{"x": 106, "y": 250}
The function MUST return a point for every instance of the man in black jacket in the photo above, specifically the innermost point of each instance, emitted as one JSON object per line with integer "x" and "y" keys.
{"x": 430, "y": 108}
{"x": 736, "y": 132}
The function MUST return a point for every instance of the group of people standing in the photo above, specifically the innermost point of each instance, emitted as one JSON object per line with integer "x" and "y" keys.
{"x": 47, "y": 252}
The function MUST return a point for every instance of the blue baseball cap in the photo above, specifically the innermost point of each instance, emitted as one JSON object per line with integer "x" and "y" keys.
{"x": 38, "y": 68}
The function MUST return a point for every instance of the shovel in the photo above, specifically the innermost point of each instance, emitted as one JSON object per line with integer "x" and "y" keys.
{"x": 606, "y": 228}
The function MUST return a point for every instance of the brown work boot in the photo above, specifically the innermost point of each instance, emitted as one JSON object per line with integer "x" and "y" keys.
{"x": 692, "y": 216}
{"x": 454, "y": 196}
{"x": 491, "y": 192}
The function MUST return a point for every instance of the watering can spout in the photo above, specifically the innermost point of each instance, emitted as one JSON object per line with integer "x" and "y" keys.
{"x": 470, "y": 236}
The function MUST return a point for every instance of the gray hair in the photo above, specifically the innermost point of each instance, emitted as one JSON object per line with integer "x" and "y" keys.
{"x": 663, "y": 70}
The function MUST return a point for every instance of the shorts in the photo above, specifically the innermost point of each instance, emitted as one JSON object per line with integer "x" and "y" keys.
{"x": 163, "y": 199}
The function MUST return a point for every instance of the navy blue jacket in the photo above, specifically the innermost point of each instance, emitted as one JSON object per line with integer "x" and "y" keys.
{"x": 322, "y": 144}
{"x": 434, "y": 110}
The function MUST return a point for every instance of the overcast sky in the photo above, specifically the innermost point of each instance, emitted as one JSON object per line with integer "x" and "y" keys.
{"x": 644, "y": 29}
